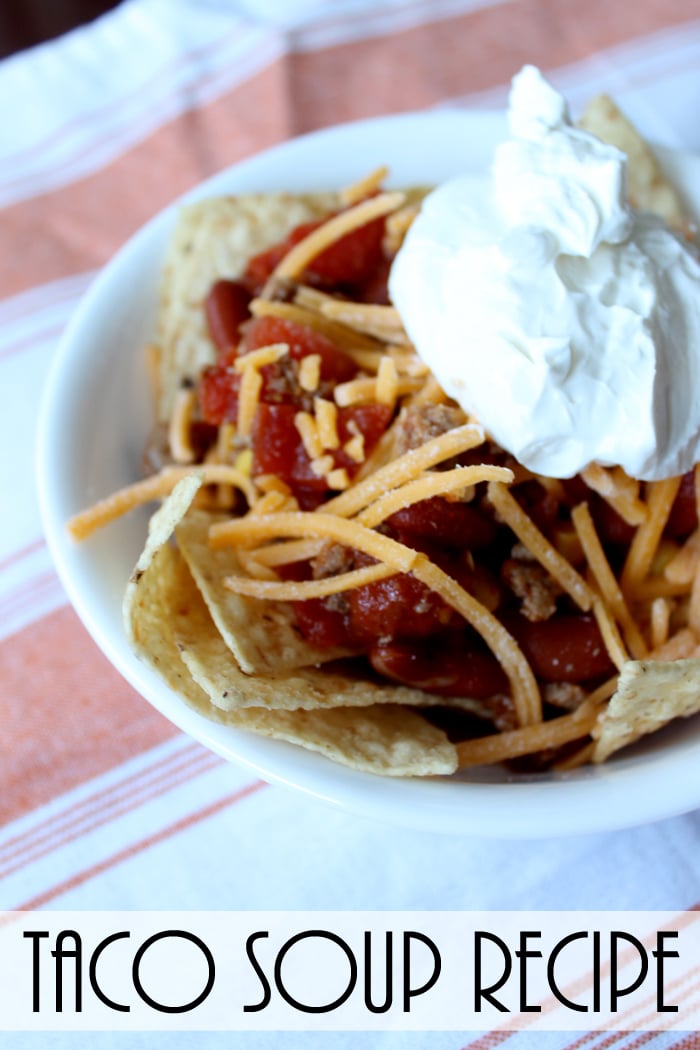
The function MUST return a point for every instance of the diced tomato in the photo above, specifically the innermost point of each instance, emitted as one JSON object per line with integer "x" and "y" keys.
{"x": 303, "y": 341}
{"x": 278, "y": 448}
{"x": 218, "y": 394}
{"x": 352, "y": 259}
{"x": 375, "y": 287}
{"x": 346, "y": 263}
{"x": 261, "y": 266}
{"x": 370, "y": 420}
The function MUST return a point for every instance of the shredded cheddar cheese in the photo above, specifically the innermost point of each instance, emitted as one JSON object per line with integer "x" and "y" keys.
{"x": 515, "y": 742}
{"x": 406, "y": 468}
{"x": 387, "y": 385}
{"x": 308, "y": 432}
{"x": 288, "y": 551}
{"x": 248, "y": 397}
{"x": 270, "y": 482}
{"x": 660, "y": 621}
{"x": 385, "y": 389}
{"x": 310, "y": 372}
{"x": 355, "y": 391}
{"x": 646, "y": 539}
{"x": 438, "y": 484}
{"x": 548, "y": 556}
{"x": 683, "y": 565}
{"x": 343, "y": 336}
{"x": 681, "y": 645}
{"x": 397, "y": 226}
{"x": 619, "y": 490}
{"x": 610, "y": 634}
{"x": 605, "y": 579}
{"x": 380, "y": 322}
{"x": 338, "y": 479}
{"x": 264, "y": 355}
{"x": 326, "y": 413}
{"x": 354, "y": 447}
{"x": 155, "y": 487}
{"x": 365, "y": 186}
{"x": 297, "y": 591}
{"x": 322, "y": 466}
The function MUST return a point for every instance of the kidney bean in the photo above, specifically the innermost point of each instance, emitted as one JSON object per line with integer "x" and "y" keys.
{"x": 566, "y": 648}
{"x": 684, "y": 516}
{"x": 611, "y": 527}
{"x": 451, "y": 524}
{"x": 225, "y": 308}
{"x": 400, "y": 606}
{"x": 452, "y": 666}
{"x": 321, "y": 625}
{"x": 539, "y": 503}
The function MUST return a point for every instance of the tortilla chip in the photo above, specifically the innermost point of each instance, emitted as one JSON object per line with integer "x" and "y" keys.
{"x": 162, "y": 595}
{"x": 383, "y": 739}
{"x": 647, "y": 186}
{"x": 213, "y": 239}
{"x": 146, "y": 608}
{"x": 263, "y": 635}
{"x": 650, "y": 694}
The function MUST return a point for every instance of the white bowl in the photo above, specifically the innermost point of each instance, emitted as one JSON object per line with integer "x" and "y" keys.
{"x": 95, "y": 417}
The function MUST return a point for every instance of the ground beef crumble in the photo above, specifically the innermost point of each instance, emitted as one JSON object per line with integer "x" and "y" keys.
{"x": 533, "y": 585}
{"x": 421, "y": 423}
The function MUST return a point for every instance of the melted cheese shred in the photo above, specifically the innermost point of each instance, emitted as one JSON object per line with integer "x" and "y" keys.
{"x": 406, "y": 468}
{"x": 605, "y": 579}
{"x": 617, "y": 489}
{"x": 179, "y": 428}
{"x": 646, "y": 538}
{"x": 439, "y": 484}
{"x": 249, "y": 366}
{"x": 368, "y": 184}
{"x": 610, "y": 634}
{"x": 155, "y": 487}
{"x": 379, "y": 321}
{"x": 297, "y": 591}
{"x": 548, "y": 556}
{"x": 247, "y": 532}
{"x": 512, "y": 743}
{"x": 659, "y": 621}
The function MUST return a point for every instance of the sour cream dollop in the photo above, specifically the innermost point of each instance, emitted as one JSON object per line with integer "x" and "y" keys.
{"x": 564, "y": 320}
